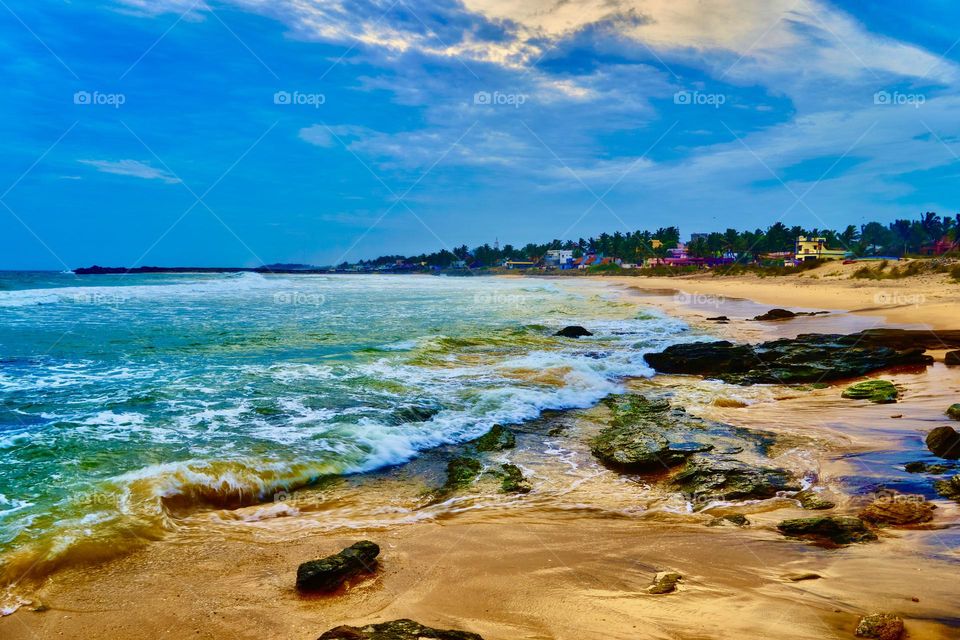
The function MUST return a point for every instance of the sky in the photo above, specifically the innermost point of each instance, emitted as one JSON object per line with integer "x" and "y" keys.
{"x": 248, "y": 132}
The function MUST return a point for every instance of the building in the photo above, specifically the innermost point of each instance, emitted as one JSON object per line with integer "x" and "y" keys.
{"x": 816, "y": 249}
{"x": 562, "y": 258}
{"x": 940, "y": 247}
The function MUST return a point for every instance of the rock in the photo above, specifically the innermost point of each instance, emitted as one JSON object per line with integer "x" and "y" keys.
{"x": 876, "y": 391}
{"x": 837, "y": 530}
{"x": 800, "y": 577}
{"x": 776, "y": 314}
{"x": 719, "y": 319}
{"x": 716, "y": 479}
{"x": 461, "y": 472}
{"x": 953, "y": 411}
{"x": 573, "y": 332}
{"x": 944, "y": 442}
{"x": 513, "y": 480}
{"x": 497, "y": 439}
{"x": 898, "y": 509}
{"x": 736, "y": 519}
{"x": 949, "y": 488}
{"x": 924, "y": 467}
{"x": 413, "y": 414}
{"x": 881, "y": 626}
{"x": 807, "y": 358}
{"x": 331, "y": 572}
{"x": 911, "y": 338}
{"x": 396, "y": 630}
{"x": 810, "y": 499}
{"x": 952, "y": 358}
{"x": 638, "y": 438}
{"x": 664, "y": 582}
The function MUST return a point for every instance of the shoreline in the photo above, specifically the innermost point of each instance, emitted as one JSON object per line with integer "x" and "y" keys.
{"x": 594, "y": 551}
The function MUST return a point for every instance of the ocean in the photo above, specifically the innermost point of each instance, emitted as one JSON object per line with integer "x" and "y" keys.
{"x": 127, "y": 399}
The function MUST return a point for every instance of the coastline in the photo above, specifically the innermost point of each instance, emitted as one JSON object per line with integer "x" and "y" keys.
{"x": 534, "y": 568}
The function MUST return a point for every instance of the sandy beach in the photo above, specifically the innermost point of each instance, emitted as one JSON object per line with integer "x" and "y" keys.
{"x": 573, "y": 558}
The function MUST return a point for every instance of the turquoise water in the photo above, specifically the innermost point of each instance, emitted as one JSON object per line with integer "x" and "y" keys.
{"x": 127, "y": 399}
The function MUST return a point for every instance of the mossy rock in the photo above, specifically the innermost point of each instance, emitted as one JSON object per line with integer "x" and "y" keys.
{"x": 949, "y": 488}
{"x": 944, "y": 442}
{"x": 876, "y": 391}
{"x": 497, "y": 439}
{"x": 664, "y": 582}
{"x": 514, "y": 480}
{"x": 461, "y": 472}
{"x": 396, "y": 630}
{"x": 880, "y": 626}
{"x": 810, "y": 499}
{"x": 831, "y": 530}
{"x": 954, "y": 412}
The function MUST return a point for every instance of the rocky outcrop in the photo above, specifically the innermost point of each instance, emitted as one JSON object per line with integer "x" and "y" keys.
{"x": 952, "y": 358}
{"x": 953, "y": 412}
{"x": 944, "y": 442}
{"x": 396, "y": 630}
{"x": 647, "y": 435}
{"x": 776, "y": 314}
{"x": 728, "y": 479}
{"x": 573, "y": 332}
{"x": 497, "y": 439}
{"x": 812, "y": 500}
{"x": 949, "y": 488}
{"x": 828, "y": 530}
{"x": 925, "y": 467}
{"x": 880, "y": 626}
{"x": 664, "y": 582}
{"x": 513, "y": 480}
{"x": 461, "y": 472}
{"x": 876, "y": 391}
{"x": 898, "y": 510}
{"x": 807, "y": 358}
{"x": 331, "y": 572}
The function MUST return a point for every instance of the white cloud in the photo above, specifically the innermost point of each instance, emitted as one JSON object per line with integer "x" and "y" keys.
{"x": 131, "y": 168}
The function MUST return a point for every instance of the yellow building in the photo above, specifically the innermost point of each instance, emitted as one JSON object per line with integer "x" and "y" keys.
{"x": 816, "y": 249}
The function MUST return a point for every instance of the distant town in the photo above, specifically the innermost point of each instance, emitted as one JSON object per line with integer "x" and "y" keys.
{"x": 777, "y": 246}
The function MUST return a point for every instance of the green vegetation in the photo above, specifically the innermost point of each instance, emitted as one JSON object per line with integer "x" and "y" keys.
{"x": 876, "y": 391}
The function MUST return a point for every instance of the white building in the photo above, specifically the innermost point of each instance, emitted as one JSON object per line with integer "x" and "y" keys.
{"x": 559, "y": 257}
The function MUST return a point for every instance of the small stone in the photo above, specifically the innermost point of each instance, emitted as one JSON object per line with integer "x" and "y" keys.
{"x": 880, "y": 626}
{"x": 944, "y": 442}
{"x": 800, "y": 577}
{"x": 810, "y": 499}
{"x": 876, "y": 391}
{"x": 331, "y": 572}
{"x": 664, "y": 582}
{"x": 897, "y": 416}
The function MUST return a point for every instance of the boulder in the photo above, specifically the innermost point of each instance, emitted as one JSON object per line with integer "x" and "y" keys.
{"x": 898, "y": 510}
{"x": 497, "y": 439}
{"x": 952, "y": 358}
{"x": 573, "y": 332}
{"x": 876, "y": 391}
{"x": 949, "y": 488}
{"x": 719, "y": 479}
{"x": 813, "y": 500}
{"x": 924, "y": 467}
{"x": 331, "y": 572}
{"x": 953, "y": 411}
{"x": 664, "y": 582}
{"x": 513, "y": 480}
{"x": 944, "y": 442}
{"x": 776, "y": 314}
{"x": 719, "y": 319}
{"x": 461, "y": 472}
{"x": 835, "y": 530}
{"x": 396, "y": 630}
{"x": 880, "y": 626}
{"x": 804, "y": 359}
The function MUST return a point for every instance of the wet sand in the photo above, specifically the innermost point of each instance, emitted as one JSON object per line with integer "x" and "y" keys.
{"x": 573, "y": 558}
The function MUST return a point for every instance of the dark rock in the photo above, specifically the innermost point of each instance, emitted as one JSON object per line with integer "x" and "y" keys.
{"x": 952, "y": 358}
{"x": 637, "y": 438}
{"x": 897, "y": 509}
{"x": 837, "y": 530}
{"x": 880, "y": 626}
{"x": 719, "y": 319}
{"x": 715, "y": 479}
{"x": 331, "y": 572}
{"x": 573, "y": 332}
{"x": 664, "y": 582}
{"x": 949, "y": 488}
{"x": 413, "y": 413}
{"x": 911, "y": 338}
{"x": 807, "y": 358}
{"x": 944, "y": 442}
{"x": 497, "y": 439}
{"x": 776, "y": 314}
{"x": 461, "y": 472}
{"x": 925, "y": 467}
{"x": 513, "y": 480}
{"x": 396, "y": 630}
{"x": 810, "y": 499}
{"x": 876, "y": 391}
{"x": 801, "y": 577}
{"x": 953, "y": 411}
{"x": 736, "y": 519}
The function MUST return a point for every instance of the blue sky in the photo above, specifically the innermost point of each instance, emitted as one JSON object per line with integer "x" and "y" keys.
{"x": 242, "y": 132}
